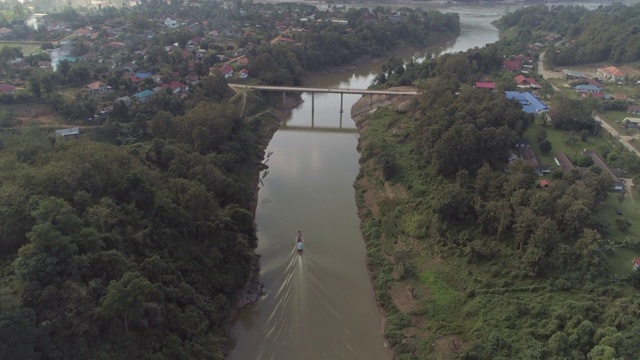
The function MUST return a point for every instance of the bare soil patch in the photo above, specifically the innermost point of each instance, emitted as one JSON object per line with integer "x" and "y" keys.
{"x": 448, "y": 347}
{"x": 406, "y": 296}
{"x": 42, "y": 114}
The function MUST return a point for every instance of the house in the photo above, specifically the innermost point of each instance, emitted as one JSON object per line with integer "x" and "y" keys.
{"x": 511, "y": 65}
{"x": 83, "y": 32}
{"x": 529, "y": 156}
{"x": 7, "y": 89}
{"x": 485, "y": 85}
{"x": 526, "y": 82}
{"x": 243, "y": 61}
{"x": 631, "y": 123}
{"x": 227, "y": 71}
{"x": 143, "y": 96}
{"x": 171, "y": 22}
{"x": 176, "y": 86}
{"x": 244, "y": 73}
{"x": 544, "y": 183}
{"x": 595, "y": 95}
{"x": 192, "y": 43}
{"x": 116, "y": 44}
{"x": 4, "y": 32}
{"x": 192, "y": 79}
{"x": 530, "y": 104}
{"x": 633, "y": 109}
{"x": 570, "y": 74}
{"x": 611, "y": 73}
{"x": 636, "y": 263}
{"x": 562, "y": 160}
{"x": 598, "y": 162}
{"x": 45, "y": 65}
{"x": 70, "y": 132}
{"x": 587, "y": 88}
{"x": 96, "y": 87}
{"x": 522, "y": 58}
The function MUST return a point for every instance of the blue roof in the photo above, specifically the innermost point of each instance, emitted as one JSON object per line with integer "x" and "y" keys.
{"x": 143, "y": 94}
{"x": 530, "y": 104}
{"x": 593, "y": 88}
{"x": 143, "y": 75}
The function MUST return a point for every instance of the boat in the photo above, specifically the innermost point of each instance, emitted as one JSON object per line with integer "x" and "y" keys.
{"x": 299, "y": 247}
{"x": 299, "y": 242}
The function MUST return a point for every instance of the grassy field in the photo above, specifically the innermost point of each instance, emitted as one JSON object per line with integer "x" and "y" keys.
{"x": 28, "y": 48}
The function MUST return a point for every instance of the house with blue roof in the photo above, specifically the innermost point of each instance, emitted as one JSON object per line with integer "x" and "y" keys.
{"x": 587, "y": 88}
{"x": 142, "y": 75}
{"x": 530, "y": 103}
{"x": 143, "y": 95}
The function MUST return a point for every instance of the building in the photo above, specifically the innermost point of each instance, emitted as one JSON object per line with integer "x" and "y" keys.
{"x": 587, "y": 88}
{"x": 511, "y": 65}
{"x": 45, "y": 65}
{"x": 143, "y": 96}
{"x": 4, "y": 32}
{"x": 611, "y": 73}
{"x": 171, "y": 22}
{"x": 530, "y": 104}
{"x": 598, "y": 162}
{"x": 227, "y": 71}
{"x": 70, "y": 132}
{"x": 562, "y": 160}
{"x": 490, "y": 85}
{"x": 636, "y": 263}
{"x": 97, "y": 87}
{"x": 7, "y": 89}
{"x": 526, "y": 82}
{"x": 244, "y": 73}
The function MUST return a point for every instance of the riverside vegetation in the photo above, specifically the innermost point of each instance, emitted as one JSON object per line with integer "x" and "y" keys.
{"x": 469, "y": 257}
{"x": 133, "y": 240}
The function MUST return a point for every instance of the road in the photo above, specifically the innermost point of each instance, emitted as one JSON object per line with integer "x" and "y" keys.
{"x": 622, "y": 138}
{"x": 547, "y": 74}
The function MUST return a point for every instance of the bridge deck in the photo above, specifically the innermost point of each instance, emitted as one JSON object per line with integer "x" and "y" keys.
{"x": 322, "y": 90}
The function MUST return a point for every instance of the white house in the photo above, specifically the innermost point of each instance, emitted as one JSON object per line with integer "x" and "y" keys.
{"x": 171, "y": 22}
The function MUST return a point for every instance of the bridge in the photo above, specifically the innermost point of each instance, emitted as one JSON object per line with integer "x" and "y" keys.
{"x": 313, "y": 90}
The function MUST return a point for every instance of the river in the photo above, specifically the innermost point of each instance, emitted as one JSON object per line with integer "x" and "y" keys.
{"x": 321, "y": 305}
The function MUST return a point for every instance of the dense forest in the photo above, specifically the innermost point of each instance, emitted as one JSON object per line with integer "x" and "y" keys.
{"x": 130, "y": 251}
{"x": 495, "y": 265}
{"x": 610, "y": 33}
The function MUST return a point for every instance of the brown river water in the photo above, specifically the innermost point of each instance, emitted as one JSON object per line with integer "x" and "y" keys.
{"x": 321, "y": 304}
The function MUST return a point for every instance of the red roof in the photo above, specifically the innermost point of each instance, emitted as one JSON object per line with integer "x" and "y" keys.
{"x": 5, "y": 88}
{"x": 544, "y": 183}
{"x": 511, "y": 65}
{"x": 485, "y": 85}
{"x": 636, "y": 261}
{"x": 227, "y": 69}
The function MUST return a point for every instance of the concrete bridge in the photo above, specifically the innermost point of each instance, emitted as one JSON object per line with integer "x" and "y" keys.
{"x": 313, "y": 90}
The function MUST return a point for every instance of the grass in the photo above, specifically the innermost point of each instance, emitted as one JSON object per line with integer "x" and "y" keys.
{"x": 28, "y": 48}
{"x": 560, "y": 143}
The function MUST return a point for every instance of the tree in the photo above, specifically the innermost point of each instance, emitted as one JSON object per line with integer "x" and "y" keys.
{"x": 545, "y": 146}
{"x": 129, "y": 297}
{"x": 623, "y": 224}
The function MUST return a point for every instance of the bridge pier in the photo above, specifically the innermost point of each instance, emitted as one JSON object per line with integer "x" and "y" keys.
{"x": 370, "y": 102}
{"x": 284, "y": 99}
{"x": 313, "y": 107}
{"x": 341, "y": 98}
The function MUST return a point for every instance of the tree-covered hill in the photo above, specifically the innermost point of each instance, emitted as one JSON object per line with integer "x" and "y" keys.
{"x": 471, "y": 256}
{"x": 610, "y": 33}
{"x": 136, "y": 251}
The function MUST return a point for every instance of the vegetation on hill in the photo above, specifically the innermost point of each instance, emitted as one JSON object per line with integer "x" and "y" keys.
{"x": 610, "y": 33}
{"x": 132, "y": 251}
{"x": 471, "y": 256}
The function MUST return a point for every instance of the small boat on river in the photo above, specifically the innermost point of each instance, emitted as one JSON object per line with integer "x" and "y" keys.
{"x": 299, "y": 243}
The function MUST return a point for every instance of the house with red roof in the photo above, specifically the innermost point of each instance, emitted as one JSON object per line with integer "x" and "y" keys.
{"x": 227, "y": 71}
{"x": 243, "y": 61}
{"x": 7, "y": 89}
{"x": 192, "y": 79}
{"x": 176, "y": 86}
{"x": 511, "y": 65}
{"x": 244, "y": 73}
{"x": 526, "y": 82}
{"x": 485, "y": 85}
{"x": 611, "y": 73}
{"x": 96, "y": 87}
{"x": 636, "y": 263}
